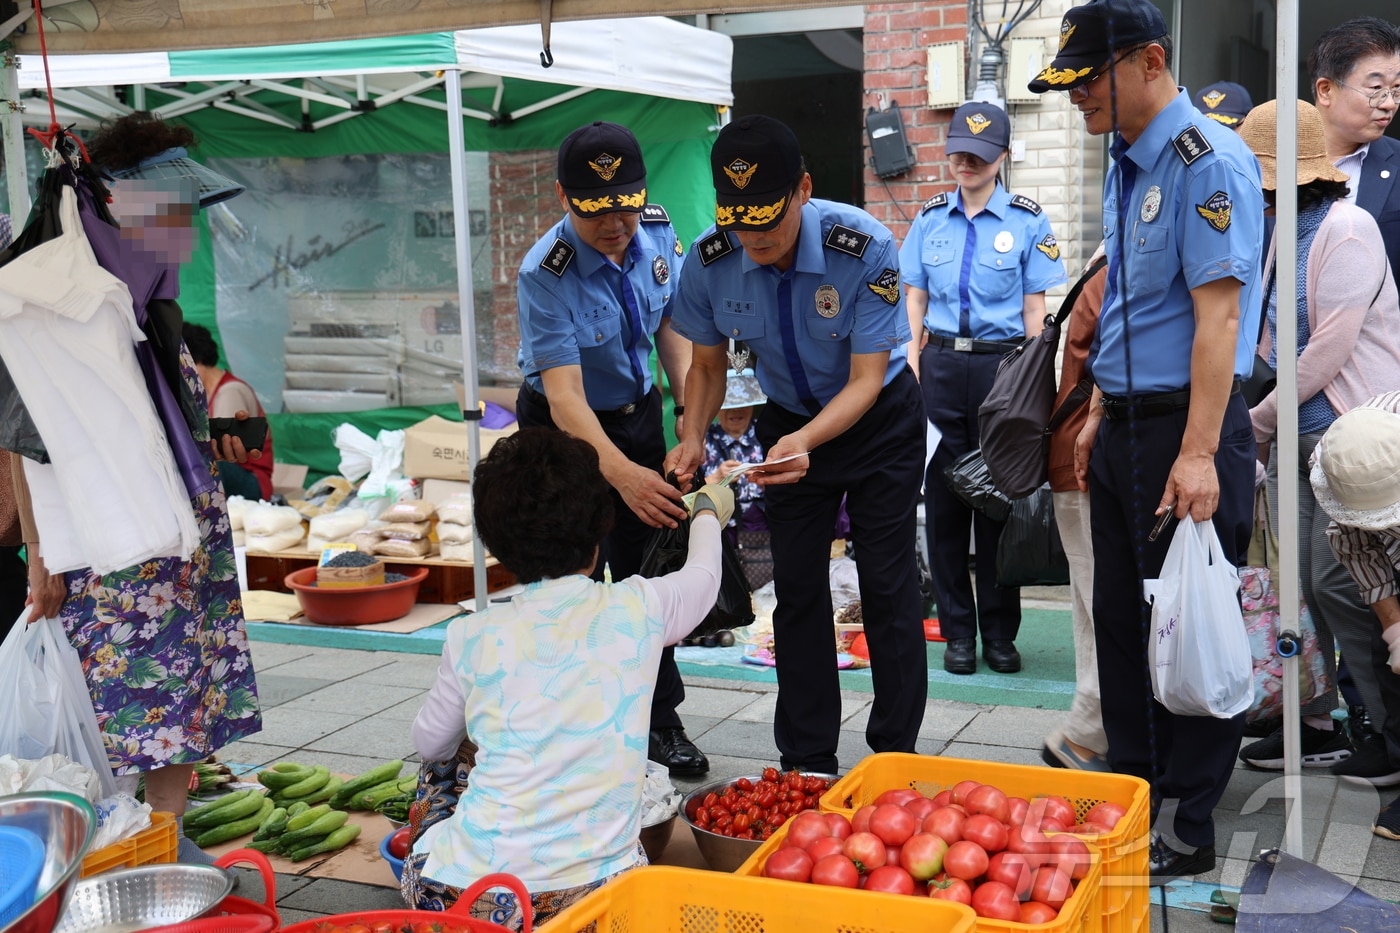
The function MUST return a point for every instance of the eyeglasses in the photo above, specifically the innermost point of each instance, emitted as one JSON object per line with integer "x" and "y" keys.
{"x": 1375, "y": 96}
{"x": 1106, "y": 68}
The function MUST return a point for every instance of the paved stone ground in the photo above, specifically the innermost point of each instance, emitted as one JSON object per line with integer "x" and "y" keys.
{"x": 350, "y": 709}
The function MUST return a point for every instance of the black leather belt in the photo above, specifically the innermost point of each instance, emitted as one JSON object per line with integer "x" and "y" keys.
{"x": 972, "y": 344}
{"x": 1152, "y": 405}
{"x": 607, "y": 414}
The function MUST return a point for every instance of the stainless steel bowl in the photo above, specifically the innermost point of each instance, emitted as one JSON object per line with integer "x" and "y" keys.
{"x": 723, "y": 853}
{"x": 139, "y": 898}
{"x": 656, "y": 837}
{"x": 65, "y": 823}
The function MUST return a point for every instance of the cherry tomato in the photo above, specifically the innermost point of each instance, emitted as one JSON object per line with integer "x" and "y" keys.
{"x": 766, "y": 798}
{"x": 710, "y": 799}
{"x": 741, "y": 822}
{"x": 771, "y": 774}
{"x": 744, "y": 784}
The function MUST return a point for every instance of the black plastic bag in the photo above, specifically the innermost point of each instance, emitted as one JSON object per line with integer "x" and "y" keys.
{"x": 1029, "y": 552}
{"x": 666, "y": 553}
{"x": 971, "y": 482}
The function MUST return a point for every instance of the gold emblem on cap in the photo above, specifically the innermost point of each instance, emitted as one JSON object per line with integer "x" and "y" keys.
{"x": 977, "y": 123}
{"x": 1213, "y": 99}
{"x": 637, "y": 200}
{"x": 606, "y": 166}
{"x": 592, "y": 205}
{"x": 1066, "y": 30}
{"x": 740, "y": 172}
{"x": 752, "y": 215}
{"x": 1223, "y": 118}
{"x": 1053, "y": 75}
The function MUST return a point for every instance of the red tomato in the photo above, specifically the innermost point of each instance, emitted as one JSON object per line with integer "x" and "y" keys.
{"x": 1032, "y": 843}
{"x": 988, "y": 800}
{"x": 866, "y": 850}
{"x": 891, "y": 880}
{"x": 1036, "y": 912}
{"x": 1106, "y": 813}
{"x": 962, "y": 789}
{"x": 943, "y": 798}
{"x": 838, "y": 824}
{"x": 989, "y": 833}
{"x": 1058, "y": 808}
{"x": 1071, "y": 854}
{"x": 995, "y": 901}
{"x": 898, "y": 796}
{"x": 807, "y": 827}
{"x": 892, "y": 823}
{"x": 789, "y": 865}
{"x": 860, "y": 821}
{"x": 920, "y": 808}
{"x": 772, "y": 775}
{"x": 741, "y": 822}
{"x": 744, "y": 784}
{"x": 922, "y": 855}
{"x": 819, "y": 849}
{"x": 945, "y": 888}
{"x": 892, "y": 854}
{"x": 400, "y": 842}
{"x": 1051, "y": 886}
{"x": 945, "y": 822}
{"x": 837, "y": 871}
{"x": 1090, "y": 829}
{"x": 1012, "y": 870}
{"x": 965, "y": 860}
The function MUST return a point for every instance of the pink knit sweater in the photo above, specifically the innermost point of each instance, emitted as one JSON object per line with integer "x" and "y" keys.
{"x": 1353, "y": 353}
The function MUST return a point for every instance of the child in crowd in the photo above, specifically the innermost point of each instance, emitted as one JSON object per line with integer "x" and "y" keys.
{"x": 730, "y": 442}
{"x": 553, "y": 687}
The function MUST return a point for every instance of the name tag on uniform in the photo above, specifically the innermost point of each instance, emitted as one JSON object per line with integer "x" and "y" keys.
{"x": 735, "y": 306}
{"x": 590, "y": 315}
{"x": 941, "y": 243}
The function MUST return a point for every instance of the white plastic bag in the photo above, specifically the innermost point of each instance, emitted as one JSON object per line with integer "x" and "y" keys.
{"x": 1198, "y": 649}
{"x": 380, "y": 458}
{"x": 48, "y": 708}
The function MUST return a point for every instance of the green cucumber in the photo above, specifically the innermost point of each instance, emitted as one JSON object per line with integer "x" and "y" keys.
{"x": 371, "y": 778}
{"x": 236, "y": 804}
{"x": 326, "y": 792}
{"x": 226, "y": 831}
{"x": 309, "y": 785}
{"x": 327, "y": 823}
{"x": 300, "y": 806}
{"x": 275, "y": 779}
{"x": 273, "y": 826}
{"x": 306, "y": 817}
{"x": 339, "y": 839}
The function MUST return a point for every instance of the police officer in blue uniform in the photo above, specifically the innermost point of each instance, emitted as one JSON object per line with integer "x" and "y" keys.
{"x": 1168, "y": 432}
{"x": 594, "y": 295}
{"x": 812, "y": 287}
{"x": 1225, "y": 102}
{"x": 976, "y": 265}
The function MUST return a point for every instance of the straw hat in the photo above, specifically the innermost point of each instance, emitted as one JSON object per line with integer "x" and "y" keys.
{"x": 1260, "y": 130}
{"x": 741, "y": 390}
{"x": 1354, "y": 476}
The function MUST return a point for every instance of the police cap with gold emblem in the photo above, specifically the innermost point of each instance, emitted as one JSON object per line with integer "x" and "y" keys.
{"x": 601, "y": 170}
{"x": 1224, "y": 102}
{"x": 981, "y": 129}
{"x": 755, "y": 162}
{"x": 1091, "y": 34}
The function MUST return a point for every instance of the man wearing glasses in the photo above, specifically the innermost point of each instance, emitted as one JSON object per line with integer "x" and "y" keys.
{"x": 1168, "y": 431}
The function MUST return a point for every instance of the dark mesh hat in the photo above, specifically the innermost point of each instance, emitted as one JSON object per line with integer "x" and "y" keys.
{"x": 1091, "y": 34}
{"x": 1224, "y": 102}
{"x": 979, "y": 128}
{"x": 601, "y": 170}
{"x": 755, "y": 162}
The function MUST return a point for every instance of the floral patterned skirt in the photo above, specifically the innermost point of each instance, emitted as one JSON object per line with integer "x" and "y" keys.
{"x": 165, "y": 652}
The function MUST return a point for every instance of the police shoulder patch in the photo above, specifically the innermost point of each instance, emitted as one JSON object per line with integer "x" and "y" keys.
{"x": 558, "y": 258}
{"x": 1025, "y": 203}
{"x": 848, "y": 241}
{"x": 1190, "y": 145}
{"x": 938, "y": 200}
{"x": 655, "y": 213}
{"x": 713, "y": 247}
{"x": 886, "y": 286}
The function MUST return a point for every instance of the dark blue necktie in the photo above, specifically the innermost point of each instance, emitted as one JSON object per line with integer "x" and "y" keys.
{"x": 964, "y": 277}
{"x": 789, "y": 333}
{"x": 1127, "y": 171}
{"x": 634, "y": 321}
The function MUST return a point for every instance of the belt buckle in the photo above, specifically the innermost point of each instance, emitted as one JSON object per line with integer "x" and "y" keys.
{"x": 962, "y": 344}
{"x": 627, "y": 409}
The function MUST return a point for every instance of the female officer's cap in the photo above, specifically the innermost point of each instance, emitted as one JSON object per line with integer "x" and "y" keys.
{"x": 1091, "y": 34}
{"x": 601, "y": 170}
{"x": 755, "y": 163}
{"x": 979, "y": 128}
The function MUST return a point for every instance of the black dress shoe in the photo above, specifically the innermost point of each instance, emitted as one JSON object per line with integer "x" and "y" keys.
{"x": 1002, "y": 656}
{"x": 673, "y": 748}
{"x": 960, "y": 656}
{"x": 1165, "y": 864}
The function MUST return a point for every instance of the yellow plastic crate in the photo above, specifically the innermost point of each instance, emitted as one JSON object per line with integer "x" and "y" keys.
{"x": 151, "y": 846}
{"x": 683, "y": 900}
{"x": 1123, "y": 886}
{"x": 1082, "y": 913}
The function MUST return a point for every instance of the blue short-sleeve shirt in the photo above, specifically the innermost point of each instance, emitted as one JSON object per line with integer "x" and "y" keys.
{"x": 1195, "y": 215}
{"x": 845, "y": 299}
{"x": 572, "y": 311}
{"x": 1012, "y": 253}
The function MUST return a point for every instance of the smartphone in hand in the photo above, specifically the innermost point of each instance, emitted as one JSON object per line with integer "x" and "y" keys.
{"x": 251, "y": 431}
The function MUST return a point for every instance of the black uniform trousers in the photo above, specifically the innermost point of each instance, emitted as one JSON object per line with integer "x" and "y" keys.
{"x": 1188, "y": 759}
{"x": 14, "y": 586}
{"x": 641, "y": 439}
{"x": 876, "y": 465}
{"x": 955, "y": 384}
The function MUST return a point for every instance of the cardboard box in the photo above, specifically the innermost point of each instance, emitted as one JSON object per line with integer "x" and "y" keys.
{"x": 289, "y": 479}
{"x": 438, "y": 491}
{"x": 437, "y": 448}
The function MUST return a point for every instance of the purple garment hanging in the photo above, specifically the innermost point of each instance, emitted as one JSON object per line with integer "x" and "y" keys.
{"x": 146, "y": 280}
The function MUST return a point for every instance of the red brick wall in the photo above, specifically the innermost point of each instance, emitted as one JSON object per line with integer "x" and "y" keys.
{"x": 896, "y": 65}
{"x": 523, "y": 206}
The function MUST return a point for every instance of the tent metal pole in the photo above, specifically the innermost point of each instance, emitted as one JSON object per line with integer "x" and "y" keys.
{"x": 456, "y": 147}
{"x": 16, "y": 170}
{"x": 1286, "y": 438}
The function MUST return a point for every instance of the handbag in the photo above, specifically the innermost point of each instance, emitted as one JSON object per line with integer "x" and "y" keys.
{"x": 971, "y": 482}
{"x": 666, "y": 552}
{"x": 1018, "y": 415}
{"x": 1029, "y": 552}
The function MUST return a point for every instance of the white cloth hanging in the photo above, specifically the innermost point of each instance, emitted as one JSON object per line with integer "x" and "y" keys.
{"x": 112, "y": 496}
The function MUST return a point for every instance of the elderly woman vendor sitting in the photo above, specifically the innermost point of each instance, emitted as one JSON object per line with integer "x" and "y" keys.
{"x": 554, "y": 687}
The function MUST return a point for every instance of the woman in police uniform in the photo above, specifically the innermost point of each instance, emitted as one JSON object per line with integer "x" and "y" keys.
{"x": 976, "y": 265}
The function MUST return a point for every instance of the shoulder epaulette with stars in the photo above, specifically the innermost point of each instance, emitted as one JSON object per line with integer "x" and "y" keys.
{"x": 558, "y": 258}
{"x": 655, "y": 213}
{"x": 1025, "y": 203}
{"x": 848, "y": 241}
{"x": 938, "y": 200}
{"x": 1190, "y": 145}
{"x": 714, "y": 247}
